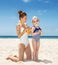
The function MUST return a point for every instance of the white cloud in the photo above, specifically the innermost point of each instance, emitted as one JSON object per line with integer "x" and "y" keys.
{"x": 40, "y": 0}
{"x": 26, "y": 1}
{"x": 44, "y": 1}
{"x": 41, "y": 12}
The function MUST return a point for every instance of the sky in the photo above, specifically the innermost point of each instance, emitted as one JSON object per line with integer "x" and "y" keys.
{"x": 45, "y": 10}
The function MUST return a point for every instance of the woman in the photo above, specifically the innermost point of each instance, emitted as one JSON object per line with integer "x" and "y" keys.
{"x": 24, "y": 45}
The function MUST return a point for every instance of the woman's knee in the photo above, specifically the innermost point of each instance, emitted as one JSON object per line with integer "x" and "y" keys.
{"x": 28, "y": 50}
{"x": 21, "y": 49}
{"x": 21, "y": 46}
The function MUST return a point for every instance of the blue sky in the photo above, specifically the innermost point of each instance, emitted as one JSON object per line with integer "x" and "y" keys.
{"x": 45, "y": 10}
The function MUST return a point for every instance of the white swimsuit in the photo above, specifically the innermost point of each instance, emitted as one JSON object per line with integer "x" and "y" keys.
{"x": 24, "y": 38}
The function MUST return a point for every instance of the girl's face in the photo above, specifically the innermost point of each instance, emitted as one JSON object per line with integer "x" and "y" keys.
{"x": 35, "y": 22}
{"x": 24, "y": 19}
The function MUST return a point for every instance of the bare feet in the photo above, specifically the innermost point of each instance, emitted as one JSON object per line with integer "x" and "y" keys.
{"x": 7, "y": 58}
{"x": 14, "y": 59}
{"x": 16, "y": 56}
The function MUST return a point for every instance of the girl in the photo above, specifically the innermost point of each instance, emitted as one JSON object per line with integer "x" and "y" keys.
{"x": 36, "y": 32}
{"x": 24, "y": 45}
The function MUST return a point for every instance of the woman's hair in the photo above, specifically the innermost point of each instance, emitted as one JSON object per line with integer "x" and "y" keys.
{"x": 21, "y": 14}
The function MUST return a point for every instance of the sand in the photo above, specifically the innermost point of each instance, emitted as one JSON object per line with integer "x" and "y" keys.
{"x": 48, "y": 53}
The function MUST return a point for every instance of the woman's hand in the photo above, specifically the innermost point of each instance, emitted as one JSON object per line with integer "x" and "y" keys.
{"x": 19, "y": 33}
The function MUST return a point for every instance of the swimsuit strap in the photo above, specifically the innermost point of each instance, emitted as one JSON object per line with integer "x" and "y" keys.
{"x": 36, "y": 29}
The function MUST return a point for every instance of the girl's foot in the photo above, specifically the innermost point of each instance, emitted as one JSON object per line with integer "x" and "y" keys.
{"x": 34, "y": 57}
{"x": 37, "y": 56}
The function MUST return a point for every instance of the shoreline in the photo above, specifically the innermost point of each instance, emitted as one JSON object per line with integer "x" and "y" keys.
{"x": 42, "y": 37}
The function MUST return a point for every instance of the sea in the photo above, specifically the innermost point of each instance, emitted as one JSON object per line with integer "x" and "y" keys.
{"x": 49, "y": 37}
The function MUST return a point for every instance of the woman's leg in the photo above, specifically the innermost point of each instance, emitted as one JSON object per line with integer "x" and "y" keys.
{"x": 21, "y": 52}
{"x": 34, "y": 49}
{"x": 37, "y": 49}
{"x": 12, "y": 58}
{"x": 28, "y": 52}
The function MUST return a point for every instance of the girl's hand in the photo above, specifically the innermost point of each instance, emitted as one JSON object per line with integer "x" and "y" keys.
{"x": 40, "y": 32}
{"x": 33, "y": 34}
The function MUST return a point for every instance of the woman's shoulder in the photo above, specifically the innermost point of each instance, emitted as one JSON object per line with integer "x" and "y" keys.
{"x": 17, "y": 25}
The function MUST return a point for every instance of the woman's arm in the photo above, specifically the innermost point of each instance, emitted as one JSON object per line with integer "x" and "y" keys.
{"x": 26, "y": 26}
{"x": 18, "y": 31}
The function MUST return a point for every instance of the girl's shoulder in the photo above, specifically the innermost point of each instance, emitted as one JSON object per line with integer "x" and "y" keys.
{"x": 40, "y": 28}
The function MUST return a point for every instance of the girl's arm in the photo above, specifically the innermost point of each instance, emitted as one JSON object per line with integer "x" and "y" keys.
{"x": 40, "y": 32}
{"x": 18, "y": 31}
{"x": 33, "y": 34}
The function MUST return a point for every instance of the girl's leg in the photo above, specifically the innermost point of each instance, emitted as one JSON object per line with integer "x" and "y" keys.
{"x": 34, "y": 49}
{"x": 28, "y": 52}
{"x": 37, "y": 49}
{"x": 21, "y": 52}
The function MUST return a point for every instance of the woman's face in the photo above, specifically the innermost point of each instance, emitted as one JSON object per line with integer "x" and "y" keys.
{"x": 24, "y": 19}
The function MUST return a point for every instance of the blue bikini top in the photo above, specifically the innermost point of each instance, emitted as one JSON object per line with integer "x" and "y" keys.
{"x": 37, "y": 29}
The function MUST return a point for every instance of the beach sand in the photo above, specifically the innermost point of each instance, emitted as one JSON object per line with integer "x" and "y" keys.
{"x": 48, "y": 52}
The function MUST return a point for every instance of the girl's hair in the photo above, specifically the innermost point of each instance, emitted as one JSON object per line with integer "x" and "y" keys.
{"x": 35, "y": 17}
{"x": 21, "y": 14}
